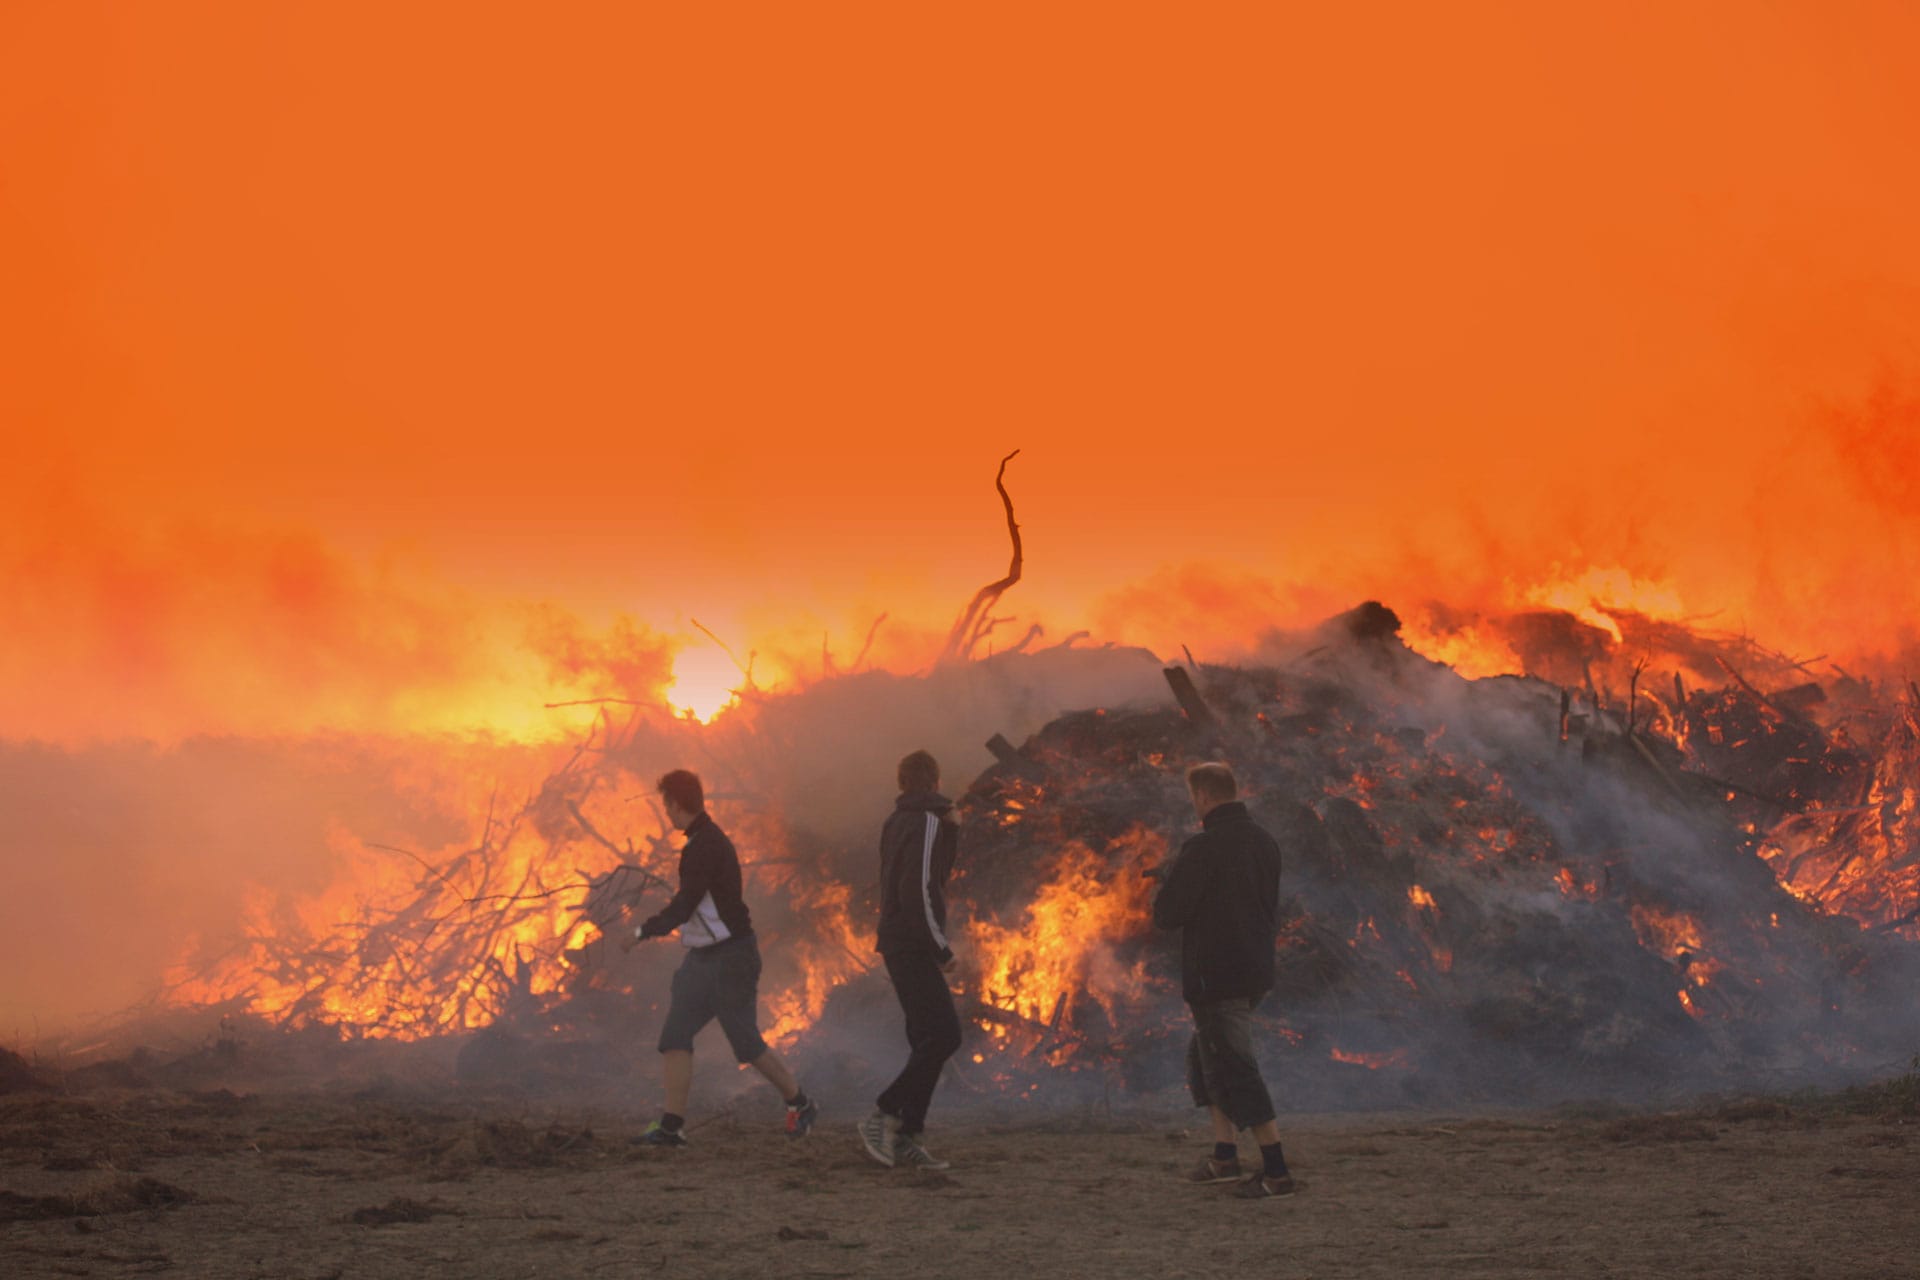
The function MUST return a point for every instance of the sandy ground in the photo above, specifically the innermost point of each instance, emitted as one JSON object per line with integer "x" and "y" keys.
{"x": 420, "y": 1183}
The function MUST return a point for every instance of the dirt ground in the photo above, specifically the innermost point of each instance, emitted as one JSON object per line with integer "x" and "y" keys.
{"x": 420, "y": 1183}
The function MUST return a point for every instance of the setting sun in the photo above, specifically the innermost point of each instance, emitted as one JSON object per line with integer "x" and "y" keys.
{"x": 705, "y": 682}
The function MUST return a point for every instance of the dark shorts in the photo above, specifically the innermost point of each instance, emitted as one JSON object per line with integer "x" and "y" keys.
{"x": 1221, "y": 1069}
{"x": 721, "y": 981}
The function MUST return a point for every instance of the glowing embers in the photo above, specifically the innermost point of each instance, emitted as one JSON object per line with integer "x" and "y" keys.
{"x": 1021, "y": 798}
{"x": 1401, "y": 1058}
{"x": 1676, "y": 936}
{"x": 1495, "y": 840}
{"x": 1574, "y": 886}
{"x": 1861, "y": 860}
{"x": 1066, "y": 947}
{"x": 1425, "y": 913}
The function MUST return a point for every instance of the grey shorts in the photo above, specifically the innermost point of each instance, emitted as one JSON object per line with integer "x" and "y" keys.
{"x": 721, "y": 981}
{"x": 1221, "y": 1068}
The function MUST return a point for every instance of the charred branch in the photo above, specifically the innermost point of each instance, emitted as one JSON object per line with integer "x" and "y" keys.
{"x": 745, "y": 668}
{"x": 1188, "y": 696}
{"x": 1757, "y": 696}
{"x": 973, "y": 624}
{"x": 872, "y": 631}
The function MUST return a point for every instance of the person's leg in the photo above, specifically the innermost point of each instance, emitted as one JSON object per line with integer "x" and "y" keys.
{"x": 1233, "y": 1076}
{"x": 676, "y": 1066}
{"x": 933, "y": 1036}
{"x": 1224, "y": 1164}
{"x": 739, "y": 991}
{"x": 690, "y": 1008}
{"x": 770, "y": 1065}
{"x": 1244, "y": 1099}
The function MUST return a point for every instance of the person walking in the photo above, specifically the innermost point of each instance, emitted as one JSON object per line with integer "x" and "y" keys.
{"x": 1222, "y": 892}
{"x": 917, "y": 845}
{"x": 720, "y": 974}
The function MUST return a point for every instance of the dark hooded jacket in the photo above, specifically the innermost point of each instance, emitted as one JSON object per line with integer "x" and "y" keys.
{"x": 917, "y": 845}
{"x": 1223, "y": 894}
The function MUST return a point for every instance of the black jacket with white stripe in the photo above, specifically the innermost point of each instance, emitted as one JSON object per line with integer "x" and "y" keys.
{"x": 917, "y": 845}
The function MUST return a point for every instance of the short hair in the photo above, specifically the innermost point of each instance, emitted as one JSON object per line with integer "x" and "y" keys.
{"x": 919, "y": 772}
{"x": 1212, "y": 780}
{"x": 683, "y": 788}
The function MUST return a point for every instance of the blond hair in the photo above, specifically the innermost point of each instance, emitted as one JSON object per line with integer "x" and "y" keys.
{"x": 1212, "y": 781}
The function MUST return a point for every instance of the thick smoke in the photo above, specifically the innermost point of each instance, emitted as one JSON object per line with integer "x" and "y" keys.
{"x": 133, "y": 857}
{"x": 119, "y": 856}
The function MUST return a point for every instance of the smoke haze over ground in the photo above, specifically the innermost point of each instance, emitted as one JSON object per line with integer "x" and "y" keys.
{"x": 127, "y": 857}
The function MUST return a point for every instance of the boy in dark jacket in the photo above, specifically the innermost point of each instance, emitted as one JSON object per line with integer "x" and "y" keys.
{"x": 720, "y": 976}
{"x": 1223, "y": 893}
{"x": 917, "y": 845}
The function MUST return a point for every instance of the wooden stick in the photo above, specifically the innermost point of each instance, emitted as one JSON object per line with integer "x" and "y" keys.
{"x": 872, "y": 631}
{"x": 1189, "y": 696}
{"x": 967, "y": 628}
{"x": 1741, "y": 680}
{"x": 746, "y": 669}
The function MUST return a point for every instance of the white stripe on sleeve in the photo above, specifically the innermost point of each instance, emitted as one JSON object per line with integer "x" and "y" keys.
{"x": 926, "y": 880}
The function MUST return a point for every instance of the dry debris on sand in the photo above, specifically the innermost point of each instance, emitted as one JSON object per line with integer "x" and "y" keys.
{"x": 383, "y": 1182}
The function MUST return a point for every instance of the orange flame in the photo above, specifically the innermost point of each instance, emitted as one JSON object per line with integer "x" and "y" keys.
{"x": 1063, "y": 948}
{"x": 830, "y": 955}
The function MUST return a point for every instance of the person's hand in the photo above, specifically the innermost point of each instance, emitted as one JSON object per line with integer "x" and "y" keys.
{"x": 628, "y": 934}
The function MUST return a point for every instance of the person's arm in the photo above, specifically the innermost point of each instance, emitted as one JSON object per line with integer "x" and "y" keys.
{"x": 923, "y": 877}
{"x": 696, "y": 879}
{"x": 945, "y": 849}
{"x": 1181, "y": 888}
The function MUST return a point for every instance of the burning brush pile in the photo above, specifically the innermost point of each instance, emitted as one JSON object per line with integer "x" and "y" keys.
{"x": 1503, "y": 889}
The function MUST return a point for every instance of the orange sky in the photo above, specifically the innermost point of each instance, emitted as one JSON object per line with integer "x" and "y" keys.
{"x": 335, "y": 338}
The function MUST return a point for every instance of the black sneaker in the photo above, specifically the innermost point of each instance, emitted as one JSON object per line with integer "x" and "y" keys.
{"x": 1210, "y": 1171}
{"x": 800, "y": 1119}
{"x": 657, "y": 1135}
{"x": 1261, "y": 1187}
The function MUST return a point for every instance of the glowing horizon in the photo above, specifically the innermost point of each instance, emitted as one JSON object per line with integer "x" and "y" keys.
{"x": 411, "y": 377}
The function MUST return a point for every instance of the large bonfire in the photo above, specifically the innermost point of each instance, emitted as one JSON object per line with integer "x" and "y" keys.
{"x": 1658, "y": 859}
